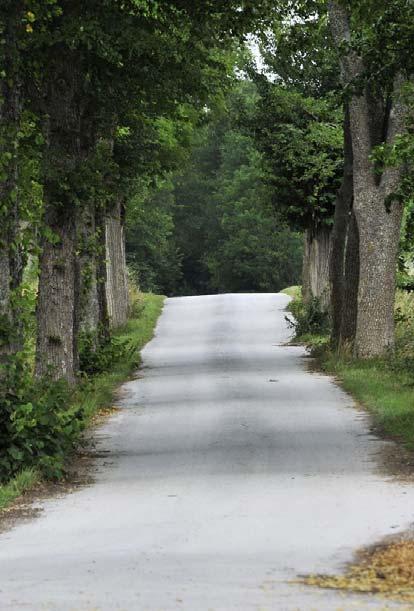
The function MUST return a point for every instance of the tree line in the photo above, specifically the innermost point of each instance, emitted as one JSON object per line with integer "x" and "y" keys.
{"x": 211, "y": 226}
{"x": 328, "y": 119}
{"x": 85, "y": 90}
{"x": 150, "y": 119}
{"x": 345, "y": 66}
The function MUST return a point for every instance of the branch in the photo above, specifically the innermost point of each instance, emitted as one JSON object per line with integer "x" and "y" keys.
{"x": 352, "y": 68}
{"x": 397, "y": 126}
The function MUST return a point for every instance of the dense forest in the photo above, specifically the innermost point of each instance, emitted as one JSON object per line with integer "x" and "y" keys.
{"x": 212, "y": 226}
{"x": 150, "y": 134}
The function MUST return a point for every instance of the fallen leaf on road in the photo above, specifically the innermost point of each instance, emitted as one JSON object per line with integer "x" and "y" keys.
{"x": 387, "y": 570}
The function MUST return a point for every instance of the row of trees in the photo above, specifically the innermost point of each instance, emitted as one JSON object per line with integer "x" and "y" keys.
{"x": 100, "y": 100}
{"x": 348, "y": 68}
{"x": 85, "y": 88}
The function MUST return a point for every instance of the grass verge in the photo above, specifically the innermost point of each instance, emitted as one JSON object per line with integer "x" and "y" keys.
{"x": 136, "y": 333}
{"x": 385, "y": 390}
{"x": 385, "y": 387}
{"x": 97, "y": 392}
{"x": 293, "y": 291}
{"x": 17, "y": 486}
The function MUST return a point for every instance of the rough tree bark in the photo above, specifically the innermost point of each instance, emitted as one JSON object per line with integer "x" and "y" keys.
{"x": 378, "y": 220}
{"x": 103, "y": 316}
{"x": 342, "y": 250}
{"x": 89, "y": 299}
{"x": 58, "y": 298}
{"x": 316, "y": 266}
{"x": 351, "y": 284}
{"x": 116, "y": 270}
{"x": 56, "y": 323}
{"x": 11, "y": 258}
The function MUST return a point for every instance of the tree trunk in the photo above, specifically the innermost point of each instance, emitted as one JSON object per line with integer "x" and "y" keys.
{"x": 101, "y": 275}
{"x": 379, "y": 225}
{"x": 10, "y": 114}
{"x": 379, "y": 233}
{"x": 306, "y": 287}
{"x": 351, "y": 284}
{"x": 5, "y": 306}
{"x": 116, "y": 270}
{"x": 58, "y": 300}
{"x": 11, "y": 260}
{"x": 56, "y": 317}
{"x": 89, "y": 300}
{"x": 316, "y": 266}
{"x": 339, "y": 284}
{"x": 378, "y": 218}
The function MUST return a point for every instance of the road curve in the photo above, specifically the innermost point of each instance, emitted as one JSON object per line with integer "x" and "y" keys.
{"x": 230, "y": 470}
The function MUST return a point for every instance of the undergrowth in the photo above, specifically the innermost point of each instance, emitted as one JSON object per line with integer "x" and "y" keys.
{"x": 43, "y": 421}
{"x": 25, "y": 480}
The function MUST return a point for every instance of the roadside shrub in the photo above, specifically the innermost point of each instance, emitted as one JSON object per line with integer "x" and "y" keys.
{"x": 94, "y": 359}
{"x": 38, "y": 425}
{"x": 309, "y": 318}
{"x": 404, "y": 331}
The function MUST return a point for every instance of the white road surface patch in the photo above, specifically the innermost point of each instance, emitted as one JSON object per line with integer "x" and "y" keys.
{"x": 219, "y": 487}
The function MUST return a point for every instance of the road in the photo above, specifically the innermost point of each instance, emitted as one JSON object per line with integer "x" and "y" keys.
{"x": 230, "y": 470}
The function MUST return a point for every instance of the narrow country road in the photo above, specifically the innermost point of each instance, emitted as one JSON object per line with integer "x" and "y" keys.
{"x": 231, "y": 469}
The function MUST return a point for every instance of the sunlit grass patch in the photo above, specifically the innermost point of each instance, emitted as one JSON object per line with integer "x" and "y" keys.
{"x": 293, "y": 291}
{"x": 388, "y": 394}
{"x": 23, "y": 482}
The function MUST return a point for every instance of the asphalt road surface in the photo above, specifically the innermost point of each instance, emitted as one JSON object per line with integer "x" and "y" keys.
{"x": 230, "y": 470}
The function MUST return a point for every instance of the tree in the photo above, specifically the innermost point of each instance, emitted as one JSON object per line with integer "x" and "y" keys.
{"x": 301, "y": 139}
{"x": 11, "y": 29}
{"x": 254, "y": 250}
{"x": 96, "y": 70}
{"x": 377, "y": 117}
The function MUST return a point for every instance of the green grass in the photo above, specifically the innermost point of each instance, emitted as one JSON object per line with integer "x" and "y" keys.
{"x": 98, "y": 391}
{"x": 293, "y": 291}
{"x": 387, "y": 393}
{"x": 385, "y": 387}
{"x": 137, "y": 332}
{"x": 17, "y": 486}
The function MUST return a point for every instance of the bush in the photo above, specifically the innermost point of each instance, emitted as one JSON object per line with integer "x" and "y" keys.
{"x": 309, "y": 318}
{"x": 41, "y": 422}
{"x": 94, "y": 360}
{"x": 404, "y": 331}
{"x": 38, "y": 425}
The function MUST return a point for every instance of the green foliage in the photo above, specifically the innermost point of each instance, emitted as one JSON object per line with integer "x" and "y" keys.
{"x": 403, "y": 359}
{"x": 152, "y": 253}
{"x": 212, "y": 227}
{"x": 17, "y": 486}
{"x": 301, "y": 139}
{"x": 95, "y": 359}
{"x": 255, "y": 250}
{"x": 38, "y": 426}
{"x": 308, "y": 318}
{"x": 42, "y": 421}
{"x": 293, "y": 291}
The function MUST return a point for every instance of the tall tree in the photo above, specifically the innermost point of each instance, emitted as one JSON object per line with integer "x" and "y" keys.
{"x": 96, "y": 65}
{"x": 301, "y": 139}
{"x": 377, "y": 116}
{"x": 13, "y": 19}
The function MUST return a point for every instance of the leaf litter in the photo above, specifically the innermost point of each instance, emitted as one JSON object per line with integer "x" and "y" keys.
{"x": 387, "y": 569}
